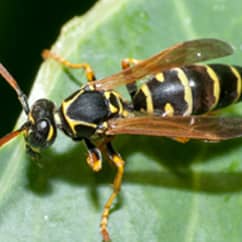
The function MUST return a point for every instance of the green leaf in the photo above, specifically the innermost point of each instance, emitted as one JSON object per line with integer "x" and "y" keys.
{"x": 171, "y": 192}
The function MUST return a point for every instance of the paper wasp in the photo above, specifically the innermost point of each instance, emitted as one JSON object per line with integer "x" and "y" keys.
{"x": 171, "y": 103}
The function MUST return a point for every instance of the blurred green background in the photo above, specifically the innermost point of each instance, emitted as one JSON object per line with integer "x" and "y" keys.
{"x": 26, "y": 28}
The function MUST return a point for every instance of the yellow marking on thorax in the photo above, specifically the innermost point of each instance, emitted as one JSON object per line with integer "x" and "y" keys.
{"x": 57, "y": 119}
{"x": 112, "y": 108}
{"x": 90, "y": 86}
{"x": 149, "y": 102}
{"x": 187, "y": 90}
{"x": 160, "y": 77}
{"x": 238, "y": 79}
{"x": 71, "y": 122}
{"x": 169, "y": 110}
{"x": 120, "y": 109}
{"x": 216, "y": 85}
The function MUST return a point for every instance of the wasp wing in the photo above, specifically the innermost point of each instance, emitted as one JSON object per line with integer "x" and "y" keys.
{"x": 178, "y": 55}
{"x": 193, "y": 127}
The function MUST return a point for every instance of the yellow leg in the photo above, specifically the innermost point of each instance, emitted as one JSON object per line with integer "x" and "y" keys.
{"x": 119, "y": 163}
{"x": 94, "y": 160}
{"x": 87, "y": 68}
{"x": 181, "y": 139}
{"x": 94, "y": 156}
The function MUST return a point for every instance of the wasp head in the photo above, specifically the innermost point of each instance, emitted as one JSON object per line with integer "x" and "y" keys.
{"x": 40, "y": 129}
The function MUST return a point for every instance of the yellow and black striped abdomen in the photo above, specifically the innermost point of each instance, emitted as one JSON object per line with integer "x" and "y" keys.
{"x": 193, "y": 89}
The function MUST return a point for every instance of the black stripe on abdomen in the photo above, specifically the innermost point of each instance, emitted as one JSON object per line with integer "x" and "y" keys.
{"x": 213, "y": 86}
{"x": 230, "y": 83}
{"x": 166, "y": 96}
{"x": 202, "y": 86}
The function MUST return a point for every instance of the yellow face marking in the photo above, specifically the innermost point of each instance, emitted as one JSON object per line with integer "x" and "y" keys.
{"x": 238, "y": 79}
{"x": 216, "y": 85}
{"x": 187, "y": 90}
{"x": 149, "y": 102}
{"x": 30, "y": 118}
{"x": 169, "y": 110}
{"x": 50, "y": 133}
{"x": 160, "y": 77}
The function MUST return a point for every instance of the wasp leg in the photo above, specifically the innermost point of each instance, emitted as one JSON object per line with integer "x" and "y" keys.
{"x": 126, "y": 63}
{"x": 181, "y": 139}
{"x": 94, "y": 156}
{"x": 86, "y": 67}
{"x": 116, "y": 159}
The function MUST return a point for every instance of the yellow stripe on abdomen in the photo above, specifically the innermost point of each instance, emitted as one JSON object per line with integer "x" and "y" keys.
{"x": 149, "y": 102}
{"x": 187, "y": 90}
{"x": 216, "y": 85}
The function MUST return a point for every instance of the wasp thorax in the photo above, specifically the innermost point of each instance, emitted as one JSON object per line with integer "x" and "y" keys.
{"x": 41, "y": 129}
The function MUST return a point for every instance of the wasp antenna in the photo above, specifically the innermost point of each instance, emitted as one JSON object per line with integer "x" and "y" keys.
{"x": 12, "y": 82}
{"x": 5, "y": 139}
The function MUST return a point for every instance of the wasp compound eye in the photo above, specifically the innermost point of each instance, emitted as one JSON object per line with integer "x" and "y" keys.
{"x": 42, "y": 134}
{"x": 42, "y": 128}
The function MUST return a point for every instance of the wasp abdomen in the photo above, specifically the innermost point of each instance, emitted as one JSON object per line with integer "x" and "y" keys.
{"x": 213, "y": 86}
{"x": 193, "y": 89}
